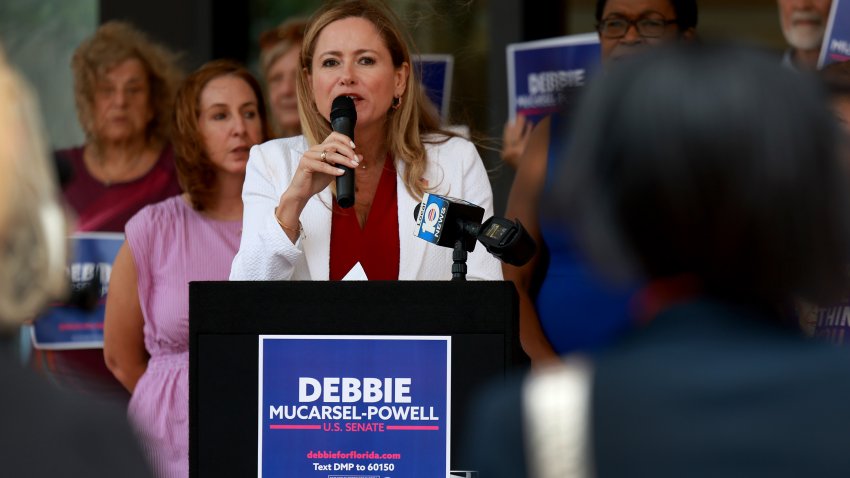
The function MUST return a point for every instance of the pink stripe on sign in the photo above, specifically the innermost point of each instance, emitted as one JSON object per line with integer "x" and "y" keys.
{"x": 90, "y": 326}
{"x": 412, "y": 427}
{"x": 295, "y": 427}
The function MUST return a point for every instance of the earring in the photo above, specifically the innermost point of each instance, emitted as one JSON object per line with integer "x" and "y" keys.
{"x": 396, "y": 103}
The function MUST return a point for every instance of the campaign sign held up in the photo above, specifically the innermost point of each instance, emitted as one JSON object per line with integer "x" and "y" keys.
{"x": 435, "y": 73}
{"x": 836, "y": 38}
{"x": 66, "y": 326}
{"x": 541, "y": 74}
{"x": 344, "y": 406}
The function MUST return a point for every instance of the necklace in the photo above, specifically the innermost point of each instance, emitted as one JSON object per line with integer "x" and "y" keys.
{"x": 365, "y": 165}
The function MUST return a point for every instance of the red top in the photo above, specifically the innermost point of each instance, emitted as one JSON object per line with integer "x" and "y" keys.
{"x": 376, "y": 246}
{"x": 105, "y": 208}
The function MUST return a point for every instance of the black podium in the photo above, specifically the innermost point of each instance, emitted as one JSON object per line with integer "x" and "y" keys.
{"x": 226, "y": 319}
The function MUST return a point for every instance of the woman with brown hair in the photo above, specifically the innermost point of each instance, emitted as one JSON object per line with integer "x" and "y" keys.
{"x": 219, "y": 115}
{"x": 293, "y": 227}
{"x": 124, "y": 87}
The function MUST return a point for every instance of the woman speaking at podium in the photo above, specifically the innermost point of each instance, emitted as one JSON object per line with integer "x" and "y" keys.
{"x": 294, "y": 227}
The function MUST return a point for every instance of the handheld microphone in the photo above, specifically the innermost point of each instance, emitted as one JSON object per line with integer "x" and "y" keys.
{"x": 343, "y": 119}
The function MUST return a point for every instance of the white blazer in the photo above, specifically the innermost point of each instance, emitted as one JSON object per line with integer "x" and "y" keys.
{"x": 266, "y": 253}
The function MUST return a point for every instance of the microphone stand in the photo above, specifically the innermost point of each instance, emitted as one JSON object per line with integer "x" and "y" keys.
{"x": 459, "y": 258}
{"x": 467, "y": 230}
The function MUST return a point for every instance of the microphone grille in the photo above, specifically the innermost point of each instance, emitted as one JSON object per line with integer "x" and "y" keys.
{"x": 343, "y": 106}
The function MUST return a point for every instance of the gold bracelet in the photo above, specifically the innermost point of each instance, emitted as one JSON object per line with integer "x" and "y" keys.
{"x": 298, "y": 232}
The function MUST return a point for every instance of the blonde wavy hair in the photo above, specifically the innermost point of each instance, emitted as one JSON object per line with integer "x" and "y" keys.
{"x": 112, "y": 44}
{"x": 411, "y": 126}
{"x": 33, "y": 228}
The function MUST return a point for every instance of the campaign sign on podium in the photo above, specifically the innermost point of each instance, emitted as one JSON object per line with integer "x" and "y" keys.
{"x": 65, "y": 326}
{"x": 365, "y": 406}
{"x": 226, "y": 320}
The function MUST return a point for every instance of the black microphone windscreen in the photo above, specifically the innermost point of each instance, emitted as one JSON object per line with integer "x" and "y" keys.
{"x": 343, "y": 106}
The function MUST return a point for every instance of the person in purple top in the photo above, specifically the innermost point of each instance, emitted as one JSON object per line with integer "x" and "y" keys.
{"x": 219, "y": 115}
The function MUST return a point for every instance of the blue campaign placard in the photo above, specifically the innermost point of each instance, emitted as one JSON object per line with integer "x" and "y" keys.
{"x": 540, "y": 73}
{"x": 346, "y": 406}
{"x": 836, "y": 38}
{"x": 64, "y": 326}
{"x": 435, "y": 74}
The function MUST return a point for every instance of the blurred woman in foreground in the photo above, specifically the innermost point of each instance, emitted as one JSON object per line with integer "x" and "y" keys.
{"x": 82, "y": 438}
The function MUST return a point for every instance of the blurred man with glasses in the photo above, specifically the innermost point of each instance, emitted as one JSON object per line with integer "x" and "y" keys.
{"x": 563, "y": 307}
{"x": 626, "y": 26}
{"x": 803, "y": 24}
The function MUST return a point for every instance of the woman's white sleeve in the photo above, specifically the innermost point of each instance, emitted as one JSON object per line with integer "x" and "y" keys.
{"x": 265, "y": 251}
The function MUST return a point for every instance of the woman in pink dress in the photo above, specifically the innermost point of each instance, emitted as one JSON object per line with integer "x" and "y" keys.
{"x": 219, "y": 115}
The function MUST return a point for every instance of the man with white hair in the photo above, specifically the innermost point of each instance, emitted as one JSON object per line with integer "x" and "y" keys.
{"x": 803, "y": 24}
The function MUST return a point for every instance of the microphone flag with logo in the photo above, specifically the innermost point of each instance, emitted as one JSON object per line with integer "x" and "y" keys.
{"x": 441, "y": 220}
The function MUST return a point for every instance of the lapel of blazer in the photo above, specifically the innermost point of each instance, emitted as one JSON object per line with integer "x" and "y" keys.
{"x": 316, "y": 220}
{"x": 411, "y": 248}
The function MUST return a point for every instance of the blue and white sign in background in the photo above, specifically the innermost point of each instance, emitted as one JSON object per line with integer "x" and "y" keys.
{"x": 65, "y": 327}
{"x": 344, "y": 406}
{"x": 836, "y": 39}
{"x": 540, "y": 71}
{"x": 435, "y": 73}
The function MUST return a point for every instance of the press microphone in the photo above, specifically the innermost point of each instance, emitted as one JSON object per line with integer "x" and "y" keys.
{"x": 343, "y": 119}
{"x": 443, "y": 221}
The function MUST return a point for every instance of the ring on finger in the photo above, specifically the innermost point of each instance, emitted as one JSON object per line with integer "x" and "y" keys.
{"x": 324, "y": 156}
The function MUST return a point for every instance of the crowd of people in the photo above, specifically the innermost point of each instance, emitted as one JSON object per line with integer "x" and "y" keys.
{"x": 696, "y": 239}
